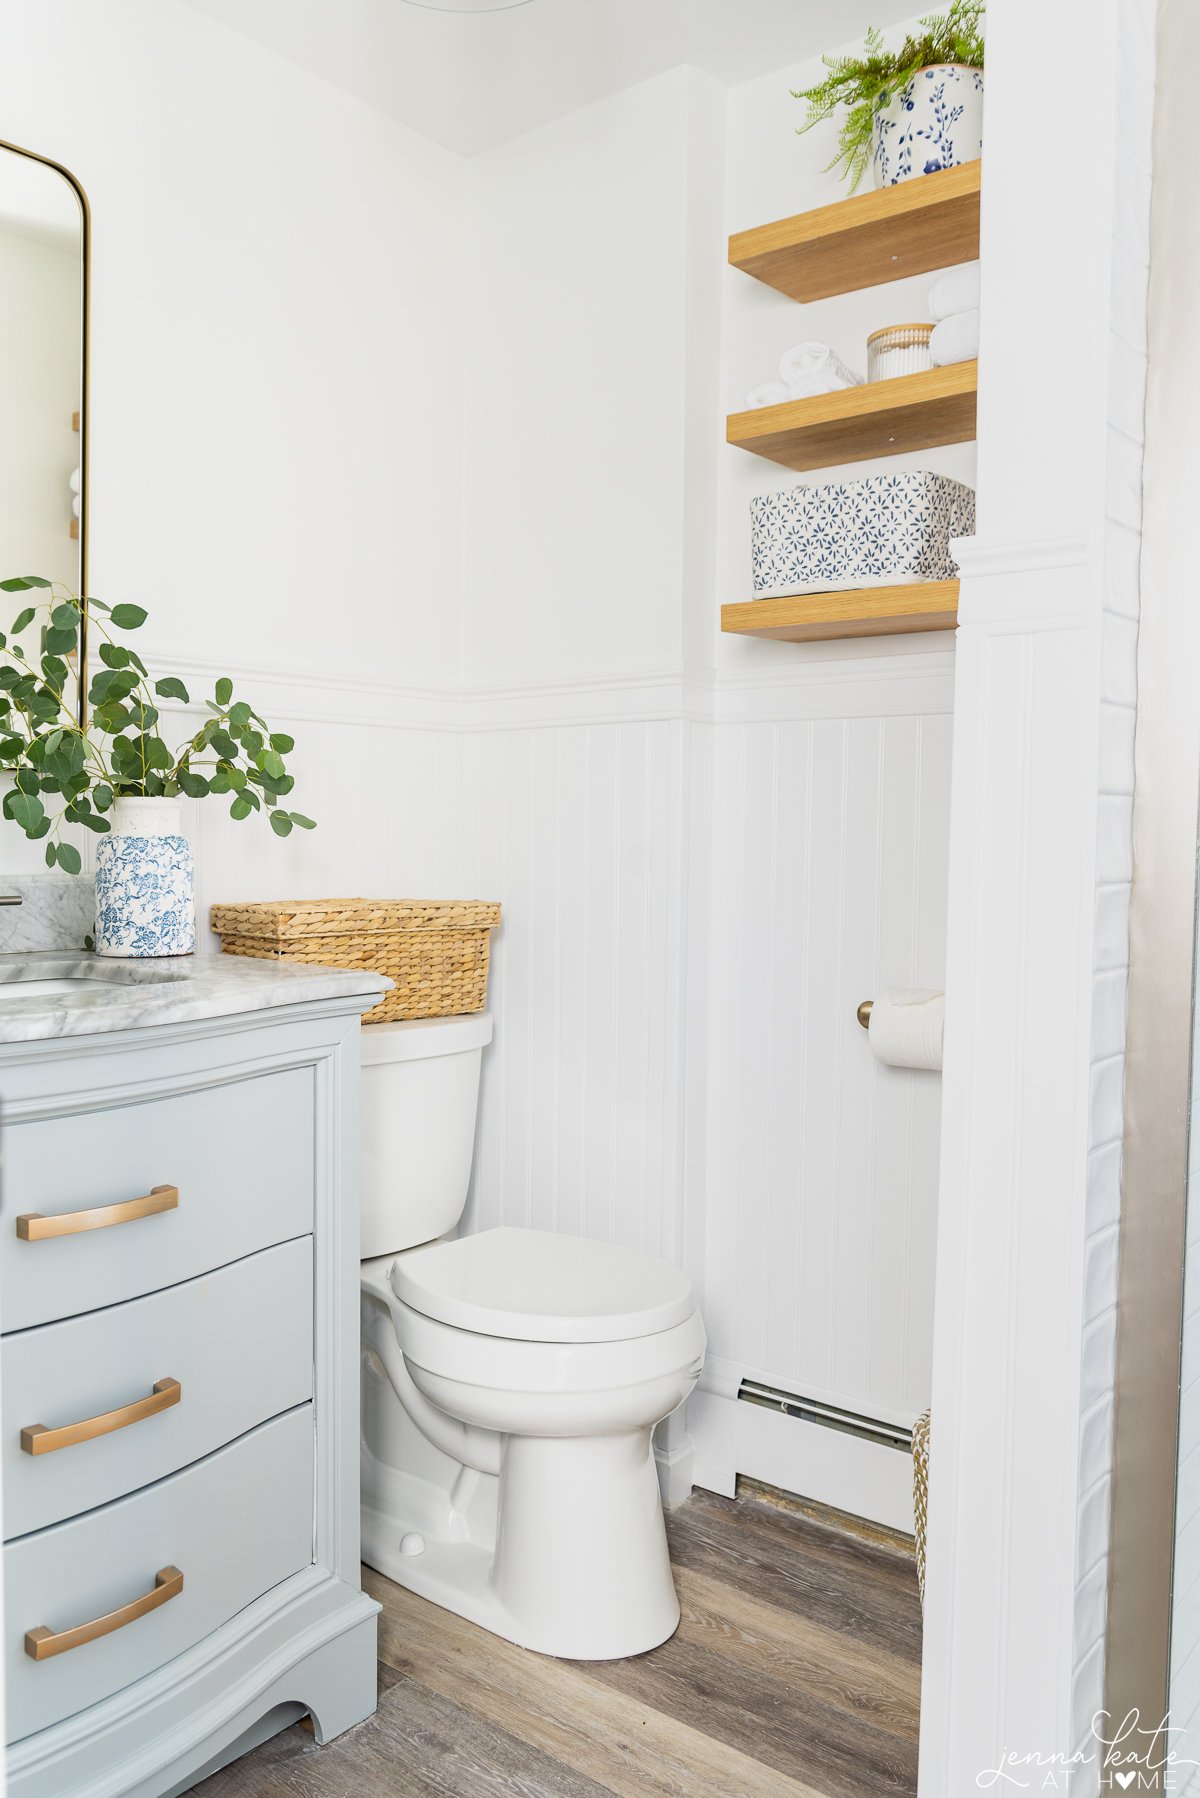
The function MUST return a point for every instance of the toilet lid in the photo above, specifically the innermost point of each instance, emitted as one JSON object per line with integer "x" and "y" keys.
{"x": 538, "y": 1286}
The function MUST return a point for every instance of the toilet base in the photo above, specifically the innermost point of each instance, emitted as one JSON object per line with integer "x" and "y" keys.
{"x": 564, "y": 1552}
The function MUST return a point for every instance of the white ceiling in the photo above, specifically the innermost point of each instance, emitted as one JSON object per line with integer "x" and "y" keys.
{"x": 472, "y": 80}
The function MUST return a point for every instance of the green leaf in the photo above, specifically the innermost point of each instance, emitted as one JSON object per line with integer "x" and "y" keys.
{"x": 223, "y": 691}
{"x": 51, "y": 855}
{"x": 113, "y": 655}
{"x": 95, "y": 605}
{"x": 16, "y": 585}
{"x": 53, "y": 740}
{"x": 65, "y": 617}
{"x": 36, "y": 580}
{"x": 60, "y": 643}
{"x": 27, "y": 811}
{"x": 129, "y": 618}
{"x": 282, "y": 743}
{"x": 272, "y": 764}
{"x": 23, "y": 619}
{"x": 281, "y": 824}
{"x": 239, "y": 714}
{"x": 39, "y": 830}
{"x": 102, "y": 797}
{"x": 154, "y": 752}
{"x": 240, "y": 809}
{"x": 302, "y": 821}
{"x": 194, "y": 785}
{"x": 223, "y": 743}
{"x": 69, "y": 858}
{"x": 171, "y": 688}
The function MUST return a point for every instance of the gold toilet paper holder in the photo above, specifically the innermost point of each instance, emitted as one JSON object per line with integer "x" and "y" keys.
{"x": 863, "y": 1014}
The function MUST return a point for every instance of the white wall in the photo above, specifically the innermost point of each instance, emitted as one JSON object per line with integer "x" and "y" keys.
{"x": 276, "y": 335}
{"x": 576, "y": 374}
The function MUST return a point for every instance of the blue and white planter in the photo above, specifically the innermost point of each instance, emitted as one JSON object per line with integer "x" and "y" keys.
{"x": 145, "y": 882}
{"x": 935, "y": 121}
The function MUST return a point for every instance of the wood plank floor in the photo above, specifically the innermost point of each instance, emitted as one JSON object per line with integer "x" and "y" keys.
{"x": 795, "y": 1673}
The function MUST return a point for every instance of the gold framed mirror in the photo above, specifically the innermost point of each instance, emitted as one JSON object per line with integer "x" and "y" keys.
{"x": 45, "y": 232}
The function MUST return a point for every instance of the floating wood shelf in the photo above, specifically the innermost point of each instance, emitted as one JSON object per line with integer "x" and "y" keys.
{"x": 74, "y": 527}
{"x": 880, "y": 418}
{"x": 927, "y": 223}
{"x": 860, "y": 612}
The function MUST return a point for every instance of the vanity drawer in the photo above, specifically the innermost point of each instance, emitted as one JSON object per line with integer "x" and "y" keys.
{"x": 233, "y": 1525}
{"x": 166, "y": 1379}
{"x": 240, "y": 1155}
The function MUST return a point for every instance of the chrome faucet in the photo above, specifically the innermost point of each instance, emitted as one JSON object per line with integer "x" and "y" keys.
{"x": 12, "y": 899}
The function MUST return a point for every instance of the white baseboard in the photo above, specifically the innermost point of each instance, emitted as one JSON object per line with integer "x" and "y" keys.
{"x": 730, "y": 1437}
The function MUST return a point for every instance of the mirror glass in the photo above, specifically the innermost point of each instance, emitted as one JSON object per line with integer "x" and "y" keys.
{"x": 43, "y": 271}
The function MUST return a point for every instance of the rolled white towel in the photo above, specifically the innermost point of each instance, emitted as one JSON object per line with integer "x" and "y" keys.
{"x": 76, "y": 480}
{"x": 810, "y": 368}
{"x": 75, "y": 506}
{"x": 955, "y": 339}
{"x": 955, "y": 290}
{"x": 771, "y": 393}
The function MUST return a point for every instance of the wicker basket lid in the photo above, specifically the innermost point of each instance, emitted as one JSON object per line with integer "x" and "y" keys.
{"x": 278, "y": 919}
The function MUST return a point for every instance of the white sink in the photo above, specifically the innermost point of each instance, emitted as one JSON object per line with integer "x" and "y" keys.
{"x": 41, "y": 989}
{"x": 57, "y": 982}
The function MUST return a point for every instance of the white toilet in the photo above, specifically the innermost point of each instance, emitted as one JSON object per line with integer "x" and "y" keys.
{"x": 511, "y": 1381}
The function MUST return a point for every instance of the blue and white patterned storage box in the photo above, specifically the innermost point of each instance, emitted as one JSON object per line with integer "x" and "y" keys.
{"x": 887, "y": 528}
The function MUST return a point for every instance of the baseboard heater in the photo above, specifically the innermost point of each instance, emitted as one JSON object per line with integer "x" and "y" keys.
{"x": 831, "y": 1417}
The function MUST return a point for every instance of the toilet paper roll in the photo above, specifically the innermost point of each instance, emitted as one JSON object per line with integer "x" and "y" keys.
{"x": 906, "y": 1028}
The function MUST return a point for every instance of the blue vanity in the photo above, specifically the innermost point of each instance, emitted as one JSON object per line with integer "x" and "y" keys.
{"x": 179, "y": 1267}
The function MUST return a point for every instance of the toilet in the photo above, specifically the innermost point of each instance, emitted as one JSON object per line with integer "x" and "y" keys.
{"x": 511, "y": 1380}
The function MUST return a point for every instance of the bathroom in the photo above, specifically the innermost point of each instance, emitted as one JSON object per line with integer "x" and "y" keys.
{"x": 413, "y": 404}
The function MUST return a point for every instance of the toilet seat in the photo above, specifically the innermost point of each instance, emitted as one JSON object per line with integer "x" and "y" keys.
{"x": 537, "y": 1286}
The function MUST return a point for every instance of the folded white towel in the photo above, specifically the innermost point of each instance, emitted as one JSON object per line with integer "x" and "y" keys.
{"x": 76, "y": 481}
{"x": 771, "y": 393}
{"x": 75, "y": 507}
{"x": 955, "y": 339}
{"x": 955, "y": 290}
{"x": 809, "y": 368}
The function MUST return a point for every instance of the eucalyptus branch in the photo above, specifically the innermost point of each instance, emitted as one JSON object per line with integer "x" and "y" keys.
{"x": 119, "y": 753}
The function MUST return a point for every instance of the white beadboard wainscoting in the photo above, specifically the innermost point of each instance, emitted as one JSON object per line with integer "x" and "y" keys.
{"x": 701, "y": 877}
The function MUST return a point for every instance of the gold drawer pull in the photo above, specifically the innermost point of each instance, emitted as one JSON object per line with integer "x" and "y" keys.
{"x": 33, "y": 1227}
{"x": 38, "y": 1440}
{"x": 40, "y": 1644}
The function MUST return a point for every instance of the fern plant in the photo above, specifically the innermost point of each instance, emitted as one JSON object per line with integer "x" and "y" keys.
{"x": 864, "y": 83}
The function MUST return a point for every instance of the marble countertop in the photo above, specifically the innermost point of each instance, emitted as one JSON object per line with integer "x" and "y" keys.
{"x": 109, "y": 994}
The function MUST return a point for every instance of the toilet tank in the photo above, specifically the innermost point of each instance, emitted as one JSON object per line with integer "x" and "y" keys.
{"x": 420, "y": 1090}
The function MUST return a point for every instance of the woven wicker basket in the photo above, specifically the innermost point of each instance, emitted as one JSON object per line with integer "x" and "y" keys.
{"x": 435, "y": 950}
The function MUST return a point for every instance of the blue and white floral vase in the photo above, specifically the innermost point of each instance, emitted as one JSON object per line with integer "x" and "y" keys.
{"x": 935, "y": 121}
{"x": 145, "y": 882}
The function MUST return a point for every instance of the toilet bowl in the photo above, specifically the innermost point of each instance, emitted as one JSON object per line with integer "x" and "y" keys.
{"x": 511, "y": 1383}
